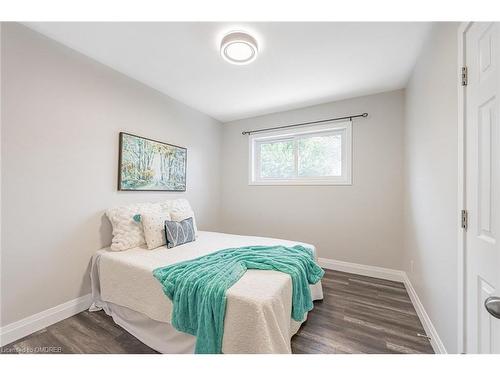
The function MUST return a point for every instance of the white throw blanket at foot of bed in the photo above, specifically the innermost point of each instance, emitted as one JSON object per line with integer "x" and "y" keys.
{"x": 258, "y": 311}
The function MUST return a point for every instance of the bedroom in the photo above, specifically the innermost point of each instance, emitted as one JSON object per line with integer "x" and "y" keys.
{"x": 249, "y": 187}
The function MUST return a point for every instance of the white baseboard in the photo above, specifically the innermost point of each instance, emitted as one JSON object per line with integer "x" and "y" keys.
{"x": 362, "y": 269}
{"x": 429, "y": 328}
{"x": 36, "y": 322}
{"x": 394, "y": 275}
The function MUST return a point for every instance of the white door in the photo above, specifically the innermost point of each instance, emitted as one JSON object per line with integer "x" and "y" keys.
{"x": 482, "y": 187}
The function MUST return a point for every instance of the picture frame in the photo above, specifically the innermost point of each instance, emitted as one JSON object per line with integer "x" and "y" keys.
{"x": 146, "y": 164}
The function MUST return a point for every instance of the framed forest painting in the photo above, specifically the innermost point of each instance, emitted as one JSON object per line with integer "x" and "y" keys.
{"x": 148, "y": 165}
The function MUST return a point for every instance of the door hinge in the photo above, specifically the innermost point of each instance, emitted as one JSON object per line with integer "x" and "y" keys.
{"x": 464, "y": 219}
{"x": 465, "y": 76}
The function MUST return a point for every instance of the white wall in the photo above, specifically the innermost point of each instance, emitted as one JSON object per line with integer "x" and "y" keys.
{"x": 361, "y": 223}
{"x": 431, "y": 163}
{"x": 61, "y": 115}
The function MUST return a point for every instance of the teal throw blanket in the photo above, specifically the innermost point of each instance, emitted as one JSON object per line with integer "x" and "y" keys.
{"x": 198, "y": 287}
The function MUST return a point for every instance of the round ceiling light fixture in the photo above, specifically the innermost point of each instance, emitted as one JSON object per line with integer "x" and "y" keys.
{"x": 239, "y": 48}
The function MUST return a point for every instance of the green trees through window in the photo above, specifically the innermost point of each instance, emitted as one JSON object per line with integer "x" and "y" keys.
{"x": 320, "y": 156}
{"x": 277, "y": 159}
{"x": 311, "y": 156}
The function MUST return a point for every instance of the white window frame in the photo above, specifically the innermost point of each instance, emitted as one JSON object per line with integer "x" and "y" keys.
{"x": 344, "y": 128}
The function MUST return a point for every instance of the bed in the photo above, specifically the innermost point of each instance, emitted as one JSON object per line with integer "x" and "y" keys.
{"x": 258, "y": 311}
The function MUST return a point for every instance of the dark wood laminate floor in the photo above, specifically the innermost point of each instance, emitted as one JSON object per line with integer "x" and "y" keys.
{"x": 358, "y": 314}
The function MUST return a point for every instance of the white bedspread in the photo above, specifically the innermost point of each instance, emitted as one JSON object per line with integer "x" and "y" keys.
{"x": 258, "y": 312}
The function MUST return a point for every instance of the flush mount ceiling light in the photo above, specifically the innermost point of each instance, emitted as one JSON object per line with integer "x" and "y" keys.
{"x": 239, "y": 48}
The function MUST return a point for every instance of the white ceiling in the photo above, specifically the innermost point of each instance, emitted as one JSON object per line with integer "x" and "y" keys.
{"x": 299, "y": 64}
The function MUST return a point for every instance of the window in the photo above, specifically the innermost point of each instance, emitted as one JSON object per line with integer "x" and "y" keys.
{"x": 316, "y": 155}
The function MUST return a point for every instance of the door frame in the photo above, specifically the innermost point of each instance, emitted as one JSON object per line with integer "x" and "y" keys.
{"x": 461, "y": 260}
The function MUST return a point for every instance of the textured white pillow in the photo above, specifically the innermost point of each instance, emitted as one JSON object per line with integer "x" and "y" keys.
{"x": 127, "y": 233}
{"x": 175, "y": 205}
{"x": 182, "y": 215}
{"x": 154, "y": 228}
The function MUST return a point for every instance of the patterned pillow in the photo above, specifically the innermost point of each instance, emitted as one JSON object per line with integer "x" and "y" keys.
{"x": 179, "y": 232}
{"x": 154, "y": 228}
{"x": 126, "y": 221}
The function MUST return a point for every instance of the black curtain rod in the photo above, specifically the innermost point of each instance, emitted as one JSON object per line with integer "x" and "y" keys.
{"x": 248, "y": 132}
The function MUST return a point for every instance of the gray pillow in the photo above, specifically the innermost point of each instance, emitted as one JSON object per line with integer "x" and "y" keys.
{"x": 179, "y": 232}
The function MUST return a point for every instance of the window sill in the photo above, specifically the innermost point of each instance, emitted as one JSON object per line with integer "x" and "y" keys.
{"x": 301, "y": 183}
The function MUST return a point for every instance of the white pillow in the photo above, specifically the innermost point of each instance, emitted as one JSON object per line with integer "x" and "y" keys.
{"x": 180, "y": 209}
{"x": 154, "y": 228}
{"x": 175, "y": 205}
{"x": 182, "y": 215}
{"x": 128, "y": 233}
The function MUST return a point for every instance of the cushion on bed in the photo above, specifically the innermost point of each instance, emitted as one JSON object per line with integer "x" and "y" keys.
{"x": 129, "y": 233}
{"x": 179, "y": 232}
{"x": 154, "y": 228}
{"x": 178, "y": 215}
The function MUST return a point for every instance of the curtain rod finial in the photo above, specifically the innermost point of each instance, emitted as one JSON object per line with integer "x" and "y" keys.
{"x": 365, "y": 114}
